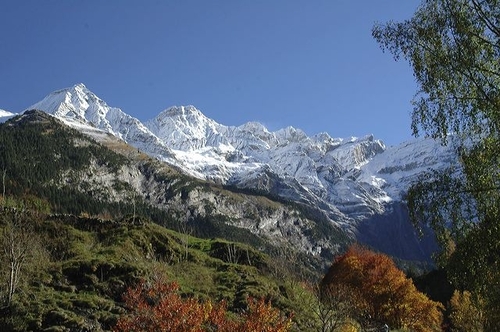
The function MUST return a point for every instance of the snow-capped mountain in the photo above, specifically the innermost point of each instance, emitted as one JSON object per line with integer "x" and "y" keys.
{"x": 350, "y": 180}
{"x": 78, "y": 105}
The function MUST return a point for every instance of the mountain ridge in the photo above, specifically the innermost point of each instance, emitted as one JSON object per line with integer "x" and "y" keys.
{"x": 350, "y": 180}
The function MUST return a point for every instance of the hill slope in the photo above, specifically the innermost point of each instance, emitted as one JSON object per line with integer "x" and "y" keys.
{"x": 76, "y": 174}
{"x": 76, "y": 270}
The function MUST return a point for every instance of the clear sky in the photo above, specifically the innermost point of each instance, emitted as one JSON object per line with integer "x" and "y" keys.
{"x": 310, "y": 64}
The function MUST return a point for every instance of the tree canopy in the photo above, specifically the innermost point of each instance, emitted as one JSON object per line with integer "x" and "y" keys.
{"x": 383, "y": 293}
{"x": 453, "y": 47}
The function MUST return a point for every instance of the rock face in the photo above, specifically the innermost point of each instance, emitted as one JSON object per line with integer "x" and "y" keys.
{"x": 357, "y": 183}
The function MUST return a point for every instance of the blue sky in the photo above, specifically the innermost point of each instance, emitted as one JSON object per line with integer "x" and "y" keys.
{"x": 308, "y": 64}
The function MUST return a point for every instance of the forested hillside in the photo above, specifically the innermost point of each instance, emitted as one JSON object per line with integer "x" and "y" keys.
{"x": 85, "y": 227}
{"x": 74, "y": 174}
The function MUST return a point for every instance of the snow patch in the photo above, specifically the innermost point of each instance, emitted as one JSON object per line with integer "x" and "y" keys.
{"x": 6, "y": 115}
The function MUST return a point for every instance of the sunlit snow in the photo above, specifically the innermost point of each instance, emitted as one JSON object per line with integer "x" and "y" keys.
{"x": 335, "y": 173}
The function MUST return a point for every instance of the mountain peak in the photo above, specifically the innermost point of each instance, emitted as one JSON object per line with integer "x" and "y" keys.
{"x": 79, "y": 86}
{"x": 78, "y": 105}
{"x": 184, "y": 127}
{"x": 182, "y": 111}
{"x": 255, "y": 127}
{"x": 292, "y": 134}
{"x": 183, "y": 116}
{"x": 72, "y": 103}
{"x": 82, "y": 90}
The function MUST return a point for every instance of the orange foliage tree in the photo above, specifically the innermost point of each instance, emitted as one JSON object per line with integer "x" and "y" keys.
{"x": 389, "y": 296}
{"x": 157, "y": 306}
{"x": 261, "y": 317}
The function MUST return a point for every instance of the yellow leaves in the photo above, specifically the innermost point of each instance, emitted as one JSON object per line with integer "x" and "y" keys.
{"x": 467, "y": 312}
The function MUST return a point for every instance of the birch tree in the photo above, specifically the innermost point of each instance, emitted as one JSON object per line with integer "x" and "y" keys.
{"x": 453, "y": 47}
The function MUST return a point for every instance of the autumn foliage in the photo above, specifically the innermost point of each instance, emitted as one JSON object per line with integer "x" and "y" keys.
{"x": 158, "y": 306}
{"x": 384, "y": 292}
{"x": 467, "y": 312}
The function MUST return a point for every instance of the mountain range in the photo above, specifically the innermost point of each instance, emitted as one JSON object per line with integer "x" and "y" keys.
{"x": 357, "y": 184}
